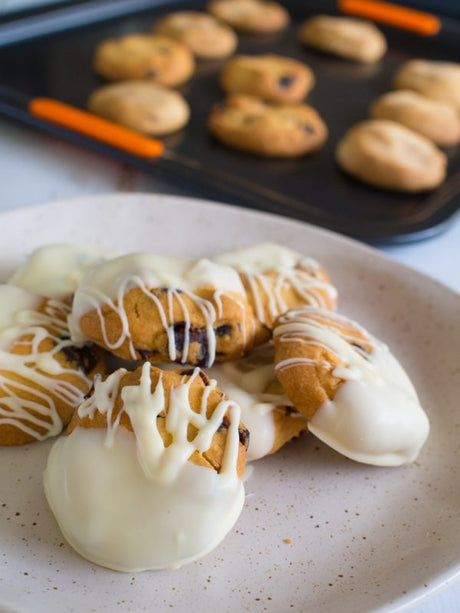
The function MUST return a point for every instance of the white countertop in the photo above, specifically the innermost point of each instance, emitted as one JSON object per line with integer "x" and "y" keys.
{"x": 35, "y": 168}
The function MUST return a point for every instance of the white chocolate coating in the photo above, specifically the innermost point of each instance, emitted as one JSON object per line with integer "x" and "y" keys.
{"x": 19, "y": 317}
{"x": 293, "y": 269}
{"x": 55, "y": 270}
{"x": 375, "y": 416}
{"x": 245, "y": 382}
{"x": 126, "y": 501}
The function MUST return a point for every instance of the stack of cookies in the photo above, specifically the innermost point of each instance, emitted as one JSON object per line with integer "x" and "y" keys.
{"x": 173, "y": 372}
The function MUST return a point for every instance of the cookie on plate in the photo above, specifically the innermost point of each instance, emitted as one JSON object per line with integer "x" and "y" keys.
{"x": 433, "y": 79}
{"x": 205, "y": 36}
{"x": 43, "y": 375}
{"x": 254, "y": 16}
{"x": 142, "y": 106}
{"x": 165, "y": 309}
{"x": 272, "y": 77}
{"x": 160, "y": 450}
{"x": 141, "y": 56}
{"x": 249, "y": 124}
{"x": 352, "y": 39}
{"x": 434, "y": 119}
{"x": 355, "y": 394}
{"x": 386, "y": 154}
{"x": 266, "y": 411}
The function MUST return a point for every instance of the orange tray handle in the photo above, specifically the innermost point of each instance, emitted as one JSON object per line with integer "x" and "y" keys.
{"x": 393, "y": 15}
{"x": 100, "y": 129}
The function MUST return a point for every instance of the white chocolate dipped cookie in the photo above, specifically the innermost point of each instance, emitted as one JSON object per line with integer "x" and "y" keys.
{"x": 355, "y": 394}
{"x": 433, "y": 79}
{"x": 43, "y": 375}
{"x": 352, "y": 39}
{"x": 277, "y": 278}
{"x": 435, "y": 119}
{"x": 389, "y": 155}
{"x": 143, "y": 306}
{"x": 154, "y": 449}
{"x": 266, "y": 411}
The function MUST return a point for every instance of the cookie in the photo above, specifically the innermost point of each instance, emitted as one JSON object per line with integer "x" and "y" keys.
{"x": 433, "y": 119}
{"x": 43, "y": 375}
{"x": 55, "y": 270}
{"x": 254, "y": 16}
{"x": 271, "y": 77}
{"x": 276, "y": 279}
{"x": 266, "y": 412}
{"x": 355, "y": 394}
{"x": 142, "y": 106}
{"x": 433, "y": 79}
{"x": 352, "y": 39}
{"x": 249, "y": 124}
{"x": 205, "y": 36}
{"x": 163, "y": 450}
{"x": 142, "y": 306}
{"x": 386, "y": 154}
{"x": 142, "y": 56}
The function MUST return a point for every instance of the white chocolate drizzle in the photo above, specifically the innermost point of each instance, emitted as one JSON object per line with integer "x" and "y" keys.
{"x": 375, "y": 416}
{"x": 29, "y": 404}
{"x": 126, "y": 501}
{"x": 106, "y": 285}
{"x": 293, "y": 270}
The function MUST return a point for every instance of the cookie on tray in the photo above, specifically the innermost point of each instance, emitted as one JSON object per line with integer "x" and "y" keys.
{"x": 205, "y": 36}
{"x": 354, "y": 393}
{"x": 434, "y": 119}
{"x": 165, "y": 309}
{"x": 266, "y": 411}
{"x": 142, "y": 106}
{"x": 272, "y": 77}
{"x": 433, "y": 79}
{"x": 389, "y": 155}
{"x": 254, "y": 16}
{"x": 163, "y": 450}
{"x": 249, "y": 124}
{"x": 43, "y": 375}
{"x": 352, "y": 39}
{"x": 142, "y": 56}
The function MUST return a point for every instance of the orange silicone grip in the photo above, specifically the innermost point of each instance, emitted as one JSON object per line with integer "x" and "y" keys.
{"x": 393, "y": 15}
{"x": 100, "y": 129}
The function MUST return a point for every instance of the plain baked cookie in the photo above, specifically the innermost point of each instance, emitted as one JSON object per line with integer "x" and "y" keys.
{"x": 352, "y": 39}
{"x": 435, "y": 119}
{"x": 437, "y": 80}
{"x": 386, "y": 154}
{"x": 255, "y": 16}
{"x": 354, "y": 393}
{"x": 142, "y": 106}
{"x": 272, "y": 77}
{"x": 143, "y": 56}
{"x": 247, "y": 123}
{"x": 205, "y": 36}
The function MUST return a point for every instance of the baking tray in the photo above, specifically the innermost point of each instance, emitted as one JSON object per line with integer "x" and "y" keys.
{"x": 58, "y": 64}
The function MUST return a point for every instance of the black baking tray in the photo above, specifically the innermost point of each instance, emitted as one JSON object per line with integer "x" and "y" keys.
{"x": 49, "y": 53}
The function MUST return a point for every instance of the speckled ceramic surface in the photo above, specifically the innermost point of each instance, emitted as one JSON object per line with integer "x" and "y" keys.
{"x": 318, "y": 532}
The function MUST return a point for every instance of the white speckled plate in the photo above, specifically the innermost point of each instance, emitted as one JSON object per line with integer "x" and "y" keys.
{"x": 318, "y": 532}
